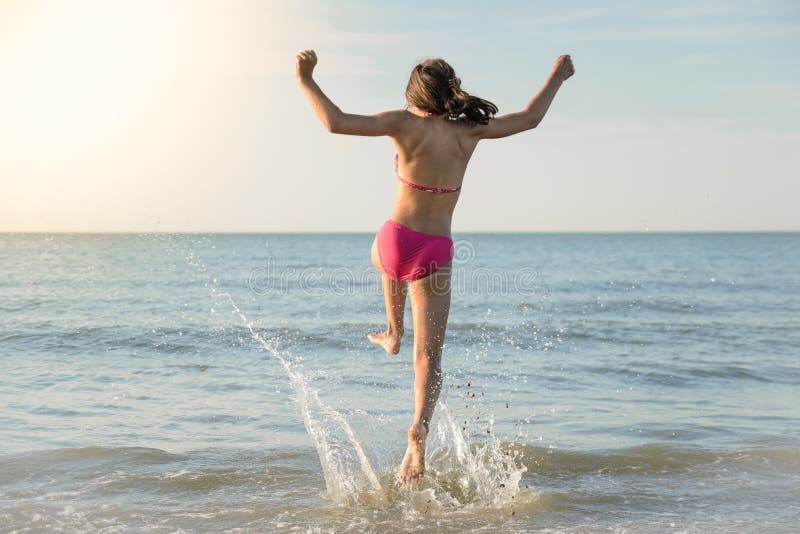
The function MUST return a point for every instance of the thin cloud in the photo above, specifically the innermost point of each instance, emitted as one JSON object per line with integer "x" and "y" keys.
{"x": 552, "y": 20}
{"x": 787, "y": 95}
{"x": 375, "y": 38}
{"x": 738, "y": 30}
{"x": 723, "y": 9}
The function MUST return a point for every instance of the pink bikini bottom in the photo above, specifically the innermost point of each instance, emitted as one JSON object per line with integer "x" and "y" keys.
{"x": 408, "y": 255}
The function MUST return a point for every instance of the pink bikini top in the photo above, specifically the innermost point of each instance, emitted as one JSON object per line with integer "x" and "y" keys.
{"x": 422, "y": 187}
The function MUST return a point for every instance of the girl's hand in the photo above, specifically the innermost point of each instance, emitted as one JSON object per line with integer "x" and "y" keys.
{"x": 563, "y": 68}
{"x": 305, "y": 63}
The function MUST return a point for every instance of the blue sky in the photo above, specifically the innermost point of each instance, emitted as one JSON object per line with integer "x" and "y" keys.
{"x": 636, "y": 59}
{"x": 185, "y": 116}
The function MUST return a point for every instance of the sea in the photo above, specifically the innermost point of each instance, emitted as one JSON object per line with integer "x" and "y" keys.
{"x": 642, "y": 382}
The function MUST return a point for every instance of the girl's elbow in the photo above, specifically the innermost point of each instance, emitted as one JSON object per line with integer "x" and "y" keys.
{"x": 530, "y": 120}
{"x": 334, "y": 124}
{"x": 334, "y": 120}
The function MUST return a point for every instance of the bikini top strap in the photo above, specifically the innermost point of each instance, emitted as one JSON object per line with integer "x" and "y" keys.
{"x": 422, "y": 187}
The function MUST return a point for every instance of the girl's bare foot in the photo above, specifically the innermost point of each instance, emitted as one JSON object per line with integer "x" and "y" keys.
{"x": 413, "y": 466}
{"x": 388, "y": 340}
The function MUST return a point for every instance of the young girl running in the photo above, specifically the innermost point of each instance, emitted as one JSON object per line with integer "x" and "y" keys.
{"x": 435, "y": 137}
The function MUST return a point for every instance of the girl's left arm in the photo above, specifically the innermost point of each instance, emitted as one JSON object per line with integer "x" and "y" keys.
{"x": 335, "y": 121}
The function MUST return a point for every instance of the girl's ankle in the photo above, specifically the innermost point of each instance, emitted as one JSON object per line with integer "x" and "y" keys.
{"x": 421, "y": 426}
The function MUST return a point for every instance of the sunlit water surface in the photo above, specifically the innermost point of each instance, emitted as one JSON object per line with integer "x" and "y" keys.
{"x": 163, "y": 383}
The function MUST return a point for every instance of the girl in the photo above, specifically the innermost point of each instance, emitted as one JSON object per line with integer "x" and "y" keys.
{"x": 434, "y": 136}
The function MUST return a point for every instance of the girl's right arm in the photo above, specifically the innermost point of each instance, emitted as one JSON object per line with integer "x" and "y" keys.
{"x": 534, "y": 112}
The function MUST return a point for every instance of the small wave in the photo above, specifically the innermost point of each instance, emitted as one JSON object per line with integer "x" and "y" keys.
{"x": 185, "y": 480}
{"x": 729, "y": 372}
{"x": 679, "y": 376}
{"x": 655, "y": 458}
{"x": 19, "y": 466}
{"x": 59, "y": 412}
{"x": 191, "y": 366}
{"x": 161, "y": 340}
{"x": 476, "y": 327}
{"x": 217, "y": 418}
{"x": 134, "y": 454}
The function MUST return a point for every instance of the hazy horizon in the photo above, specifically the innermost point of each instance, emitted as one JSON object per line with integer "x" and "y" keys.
{"x": 370, "y": 232}
{"x": 143, "y": 117}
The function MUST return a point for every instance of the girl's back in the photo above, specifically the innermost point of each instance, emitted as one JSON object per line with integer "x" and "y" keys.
{"x": 432, "y": 153}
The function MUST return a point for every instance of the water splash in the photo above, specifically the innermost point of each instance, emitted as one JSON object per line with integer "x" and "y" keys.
{"x": 472, "y": 473}
{"x": 345, "y": 466}
{"x": 349, "y": 477}
{"x": 459, "y": 472}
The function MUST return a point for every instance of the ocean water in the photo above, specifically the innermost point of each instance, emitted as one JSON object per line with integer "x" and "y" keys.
{"x": 593, "y": 383}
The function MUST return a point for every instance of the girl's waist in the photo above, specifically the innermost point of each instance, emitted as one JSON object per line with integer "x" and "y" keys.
{"x": 432, "y": 222}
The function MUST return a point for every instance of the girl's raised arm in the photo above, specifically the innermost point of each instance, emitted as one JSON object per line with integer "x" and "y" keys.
{"x": 335, "y": 121}
{"x": 534, "y": 112}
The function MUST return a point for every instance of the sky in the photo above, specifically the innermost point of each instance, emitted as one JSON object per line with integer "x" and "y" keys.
{"x": 185, "y": 116}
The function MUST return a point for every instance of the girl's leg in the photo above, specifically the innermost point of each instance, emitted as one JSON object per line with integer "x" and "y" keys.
{"x": 430, "y": 307}
{"x": 394, "y": 294}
